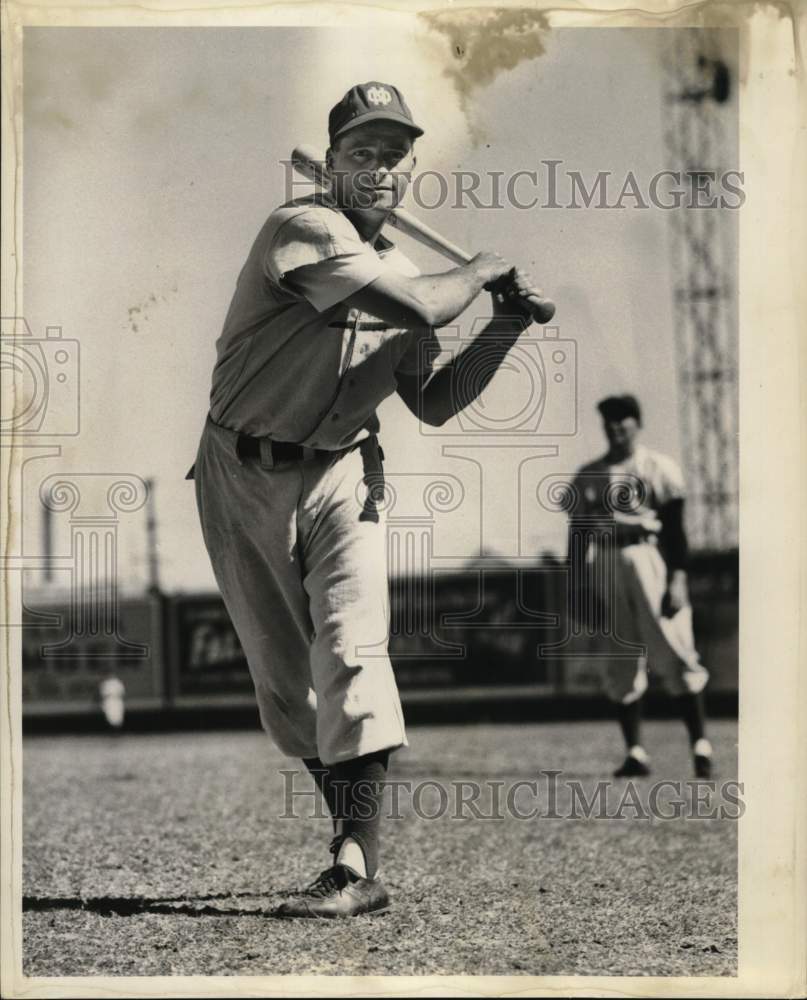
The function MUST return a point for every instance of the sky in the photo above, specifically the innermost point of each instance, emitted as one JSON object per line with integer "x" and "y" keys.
{"x": 153, "y": 156}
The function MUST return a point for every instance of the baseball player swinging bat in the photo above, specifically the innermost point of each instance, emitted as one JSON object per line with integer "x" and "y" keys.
{"x": 310, "y": 164}
{"x": 273, "y": 465}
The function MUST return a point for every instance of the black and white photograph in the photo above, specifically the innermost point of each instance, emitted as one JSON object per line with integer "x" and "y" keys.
{"x": 401, "y": 570}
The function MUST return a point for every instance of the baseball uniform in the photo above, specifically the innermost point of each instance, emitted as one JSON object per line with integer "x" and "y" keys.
{"x": 298, "y": 547}
{"x": 617, "y": 505}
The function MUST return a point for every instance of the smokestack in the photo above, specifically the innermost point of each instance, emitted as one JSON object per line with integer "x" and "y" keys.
{"x": 153, "y": 557}
{"x": 47, "y": 543}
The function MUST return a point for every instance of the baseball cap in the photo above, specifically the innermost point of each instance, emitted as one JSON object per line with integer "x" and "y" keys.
{"x": 616, "y": 408}
{"x": 367, "y": 102}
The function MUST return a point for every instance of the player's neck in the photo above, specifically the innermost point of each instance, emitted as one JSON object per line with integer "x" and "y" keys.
{"x": 617, "y": 456}
{"x": 367, "y": 224}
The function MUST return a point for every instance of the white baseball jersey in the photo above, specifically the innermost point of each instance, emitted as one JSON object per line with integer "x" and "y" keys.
{"x": 651, "y": 480}
{"x": 299, "y": 548}
{"x": 294, "y": 362}
{"x": 629, "y": 578}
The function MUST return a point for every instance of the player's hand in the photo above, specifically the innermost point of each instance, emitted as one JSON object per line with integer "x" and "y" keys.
{"x": 490, "y": 268}
{"x": 676, "y": 595}
{"x": 515, "y": 292}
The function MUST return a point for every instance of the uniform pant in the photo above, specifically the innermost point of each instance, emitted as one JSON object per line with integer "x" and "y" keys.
{"x": 633, "y": 596}
{"x": 299, "y": 554}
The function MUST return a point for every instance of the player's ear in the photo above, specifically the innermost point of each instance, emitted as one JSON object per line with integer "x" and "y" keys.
{"x": 409, "y": 170}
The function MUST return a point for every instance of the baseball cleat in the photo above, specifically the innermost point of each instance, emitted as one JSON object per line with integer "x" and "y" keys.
{"x": 703, "y": 766}
{"x": 337, "y": 892}
{"x": 632, "y": 767}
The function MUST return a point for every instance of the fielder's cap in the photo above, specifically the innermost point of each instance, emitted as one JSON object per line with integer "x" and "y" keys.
{"x": 616, "y": 408}
{"x": 368, "y": 102}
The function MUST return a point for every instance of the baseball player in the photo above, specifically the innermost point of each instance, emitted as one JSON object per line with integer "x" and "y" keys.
{"x": 328, "y": 319}
{"x": 626, "y": 528}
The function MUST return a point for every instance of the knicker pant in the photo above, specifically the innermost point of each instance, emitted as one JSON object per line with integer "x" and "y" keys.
{"x": 638, "y": 584}
{"x": 299, "y": 554}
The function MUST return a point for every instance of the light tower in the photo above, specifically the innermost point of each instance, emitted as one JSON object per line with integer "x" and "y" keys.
{"x": 698, "y": 119}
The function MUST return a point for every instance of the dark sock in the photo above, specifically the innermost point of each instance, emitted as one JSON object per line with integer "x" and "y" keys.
{"x": 321, "y": 774}
{"x": 693, "y": 712}
{"x": 630, "y": 719}
{"x": 360, "y": 784}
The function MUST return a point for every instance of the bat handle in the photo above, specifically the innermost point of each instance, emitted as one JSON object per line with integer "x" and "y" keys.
{"x": 543, "y": 310}
{"x": 536, "y": 308}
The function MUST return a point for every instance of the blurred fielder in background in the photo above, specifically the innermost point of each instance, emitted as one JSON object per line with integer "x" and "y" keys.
{"x": 627, "y": 529}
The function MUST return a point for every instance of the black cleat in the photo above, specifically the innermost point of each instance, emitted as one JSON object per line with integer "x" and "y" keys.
{"x": 632, "y": 767}
{"x": 338, "y": 892}
{"x": 703, "y": 766}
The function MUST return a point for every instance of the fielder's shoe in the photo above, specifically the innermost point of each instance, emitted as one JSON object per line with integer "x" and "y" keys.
{"x": 702, "y": 756}
{"x": 338, "y": 892}
{"x": 635, "y": 765}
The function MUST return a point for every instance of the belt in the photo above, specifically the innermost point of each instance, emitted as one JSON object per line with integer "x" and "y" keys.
{"x": 281, "y": 451}
{"x": 623, "y": 539}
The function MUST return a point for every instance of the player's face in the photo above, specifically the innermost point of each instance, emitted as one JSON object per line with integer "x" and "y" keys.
{"x": 371, "y": 166}
{"x": 622, "y": 435}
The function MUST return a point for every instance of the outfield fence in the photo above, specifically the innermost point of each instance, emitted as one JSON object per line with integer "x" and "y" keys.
{"x": 485, "y": 628}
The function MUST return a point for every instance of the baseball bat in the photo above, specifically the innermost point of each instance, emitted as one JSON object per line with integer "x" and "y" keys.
{"x": 307, "y": 161}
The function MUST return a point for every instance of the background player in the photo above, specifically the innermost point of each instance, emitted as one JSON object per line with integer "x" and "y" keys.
{"x": 632, "y": 499}
{"x": 328, "y": 319}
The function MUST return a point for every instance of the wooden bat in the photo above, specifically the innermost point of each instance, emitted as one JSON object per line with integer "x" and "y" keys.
{"x": 307, "y": 161}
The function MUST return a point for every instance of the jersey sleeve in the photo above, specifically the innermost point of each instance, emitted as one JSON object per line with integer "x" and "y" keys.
{"x": 320, "y": 259}
{"x": 670, "y": 482}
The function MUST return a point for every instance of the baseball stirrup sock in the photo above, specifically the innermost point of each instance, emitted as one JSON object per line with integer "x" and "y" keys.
{"x": 630, "y": 718}
{"x": 360, "y": 784}
{"x": 321, "y": 774}
{"x": 693, "y": 712}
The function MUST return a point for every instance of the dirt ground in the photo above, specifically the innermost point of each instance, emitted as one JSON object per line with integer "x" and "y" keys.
{"x": 164, "y": 854}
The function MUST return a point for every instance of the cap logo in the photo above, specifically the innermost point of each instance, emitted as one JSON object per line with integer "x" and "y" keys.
{"x": 379, "y": 95}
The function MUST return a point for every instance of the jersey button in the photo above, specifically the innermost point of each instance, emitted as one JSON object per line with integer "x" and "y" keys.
{"x": 335, "y": 416}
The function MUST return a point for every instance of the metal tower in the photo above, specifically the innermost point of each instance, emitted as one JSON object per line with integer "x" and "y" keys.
{"x": 698, "y": 122}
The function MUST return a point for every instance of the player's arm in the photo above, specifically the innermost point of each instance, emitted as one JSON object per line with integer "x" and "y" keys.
{"x": 674, "y": 545}
{"x": 436, "y": 396}
{"x": 430, "y": 300}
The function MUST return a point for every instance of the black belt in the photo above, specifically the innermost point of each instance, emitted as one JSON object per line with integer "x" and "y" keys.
{"x": 282, "y": 451}
{"x": 632, "y": 537}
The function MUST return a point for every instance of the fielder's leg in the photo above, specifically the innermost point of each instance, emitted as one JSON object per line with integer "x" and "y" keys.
{"x": 626, "y": 678}
{"x": 693, "y": 712}
{"x": 637, "y": 761}
{"x": 671, "y": 649}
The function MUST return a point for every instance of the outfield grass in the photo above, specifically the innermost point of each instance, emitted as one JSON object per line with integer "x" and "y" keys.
{"x": 165, "y": 854}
